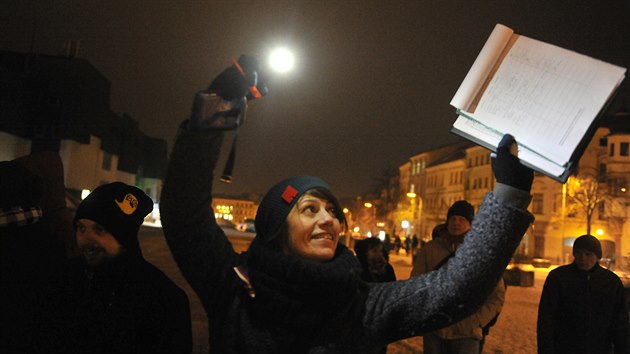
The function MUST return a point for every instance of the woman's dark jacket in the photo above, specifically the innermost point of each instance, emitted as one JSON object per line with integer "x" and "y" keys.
{"x": 582, "y": 312}
{"x": 304, "y": 307}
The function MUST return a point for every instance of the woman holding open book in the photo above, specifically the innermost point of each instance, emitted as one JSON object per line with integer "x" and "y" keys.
{"x": 297, "y": 289}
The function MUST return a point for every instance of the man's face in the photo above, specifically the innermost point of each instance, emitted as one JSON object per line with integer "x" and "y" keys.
{"x": 458, "y": 225}
{"x": 95, "y": 243}
{"x": 376, "y": 259}
{"x": 585, "y": 260}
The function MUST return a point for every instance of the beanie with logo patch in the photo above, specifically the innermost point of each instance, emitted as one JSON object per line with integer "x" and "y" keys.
{"x": 120, "y": 209}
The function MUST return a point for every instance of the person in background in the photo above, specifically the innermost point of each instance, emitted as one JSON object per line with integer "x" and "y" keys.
{"x": 48, "y": 166}
{"x": 110, "y": 299}
{"x": 297, "y": 289}
{"x": 439, "y": 230}
{"x": 465, "y": 336}
{"x": 582, "y": 307}
{"x": 30, "y": 254}
{"x": 374, "y": 265}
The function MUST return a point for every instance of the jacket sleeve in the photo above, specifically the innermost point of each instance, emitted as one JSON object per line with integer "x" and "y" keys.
{"x": 547, "y": 313}
{"x": 199, "y": 246}
{"x": 420, "y": 264}
{"x": 437, "y": 299}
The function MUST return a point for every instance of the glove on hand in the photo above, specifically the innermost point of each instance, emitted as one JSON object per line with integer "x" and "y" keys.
{"x": 233, "y": 84}
{"x": 508, "y": 169}
{"x": 224, "y": 104}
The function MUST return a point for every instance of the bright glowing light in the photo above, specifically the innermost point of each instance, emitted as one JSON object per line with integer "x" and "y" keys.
{"x": 356, "y": 229}
{"x": 599, "y": 232}
{"x": 281, "y": 60}
{"x": 404, "y": 224}
{"x": 85, "y": 193}
{"x": 367, "y": 205}
{"x": 346, "y": 211}
{"x": 369, "y": 234}
{"x": 381, "y": 235}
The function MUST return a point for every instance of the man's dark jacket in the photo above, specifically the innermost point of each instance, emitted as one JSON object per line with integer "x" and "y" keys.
{"x": 582, "y": 312}
{"x": 125, "y": 306}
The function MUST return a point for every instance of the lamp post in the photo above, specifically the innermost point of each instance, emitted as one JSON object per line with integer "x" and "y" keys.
{"x": 371, "y": 206}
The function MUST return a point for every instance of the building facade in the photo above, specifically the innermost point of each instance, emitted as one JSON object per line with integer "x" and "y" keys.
{"x": 595, "y": 197}
{"x": 61, "y": 104}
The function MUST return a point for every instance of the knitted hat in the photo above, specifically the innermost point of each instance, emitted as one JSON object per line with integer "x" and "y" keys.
{"x": 120, "y": 209}
{"x": 276, "y": 204}
{"x": 589, "y": 243}
{"x": 461, "y": 208}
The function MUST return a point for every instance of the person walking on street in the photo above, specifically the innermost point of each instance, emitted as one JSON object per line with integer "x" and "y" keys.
{"x": 297, "y": 289}
{"x": 582, "y": 307}
{"x": 465, "y": 336}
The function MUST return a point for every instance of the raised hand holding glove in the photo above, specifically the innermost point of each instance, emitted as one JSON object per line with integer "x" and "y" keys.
{"x": 224, "y": 104}
{"x": 508, "y": 169}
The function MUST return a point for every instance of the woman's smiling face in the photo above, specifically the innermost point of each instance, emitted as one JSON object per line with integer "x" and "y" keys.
{"x": 313, "y": 229}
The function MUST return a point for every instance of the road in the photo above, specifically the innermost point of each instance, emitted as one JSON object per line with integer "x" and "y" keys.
{"x": 514, "y": 333}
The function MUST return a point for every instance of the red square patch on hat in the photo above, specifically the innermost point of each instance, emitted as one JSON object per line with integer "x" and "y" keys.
{"x": 289, "y": 194}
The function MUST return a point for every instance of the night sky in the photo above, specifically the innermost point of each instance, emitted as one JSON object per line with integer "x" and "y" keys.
{"x": 372, "y": 83}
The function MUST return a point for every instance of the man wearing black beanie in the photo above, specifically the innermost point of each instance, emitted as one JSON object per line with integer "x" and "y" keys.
{"x": 467, "y": 335}
{"x": 582, "y": 307}
{"x": 110, "y": 299}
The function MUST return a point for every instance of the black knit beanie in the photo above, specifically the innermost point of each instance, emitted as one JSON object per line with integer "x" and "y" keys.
{"x": 120, "y": 209}
{"x": 276, "y": 204}
{"x": 589, "y": 243}
{"x": 461, "y": 208}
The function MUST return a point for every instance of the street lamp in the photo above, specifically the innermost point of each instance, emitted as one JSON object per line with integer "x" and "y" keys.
{"x": 373, "y": 207}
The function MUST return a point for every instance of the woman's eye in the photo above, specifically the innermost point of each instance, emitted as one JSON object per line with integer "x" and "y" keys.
{"x": 310, "y": 209}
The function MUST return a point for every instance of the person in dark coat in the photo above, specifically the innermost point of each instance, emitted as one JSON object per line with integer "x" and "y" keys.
{"x": 374, "y": 266}
{"x": 582, "y": 308}
{"x": 48, "y": 166}
{"x": 297, "y": 289}
{"x": 110, "y": 299}
{"x": 30, "y": 254}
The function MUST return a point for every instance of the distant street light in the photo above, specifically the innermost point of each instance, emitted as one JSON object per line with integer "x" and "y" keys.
{"x": 369, "y": 205}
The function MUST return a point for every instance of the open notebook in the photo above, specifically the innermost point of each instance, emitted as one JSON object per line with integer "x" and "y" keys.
{"x": 547, "y": 97}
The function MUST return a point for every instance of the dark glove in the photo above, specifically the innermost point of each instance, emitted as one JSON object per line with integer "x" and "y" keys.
{"x": 241, "y": 79}
{"x": 224, "y": 104}
{"x": 508, "y": 169}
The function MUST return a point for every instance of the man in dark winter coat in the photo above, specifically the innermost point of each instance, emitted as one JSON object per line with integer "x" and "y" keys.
{"x": 111, "y": 300}
{"x": 465, "y": 336}
{"x": 582, "y": 308}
